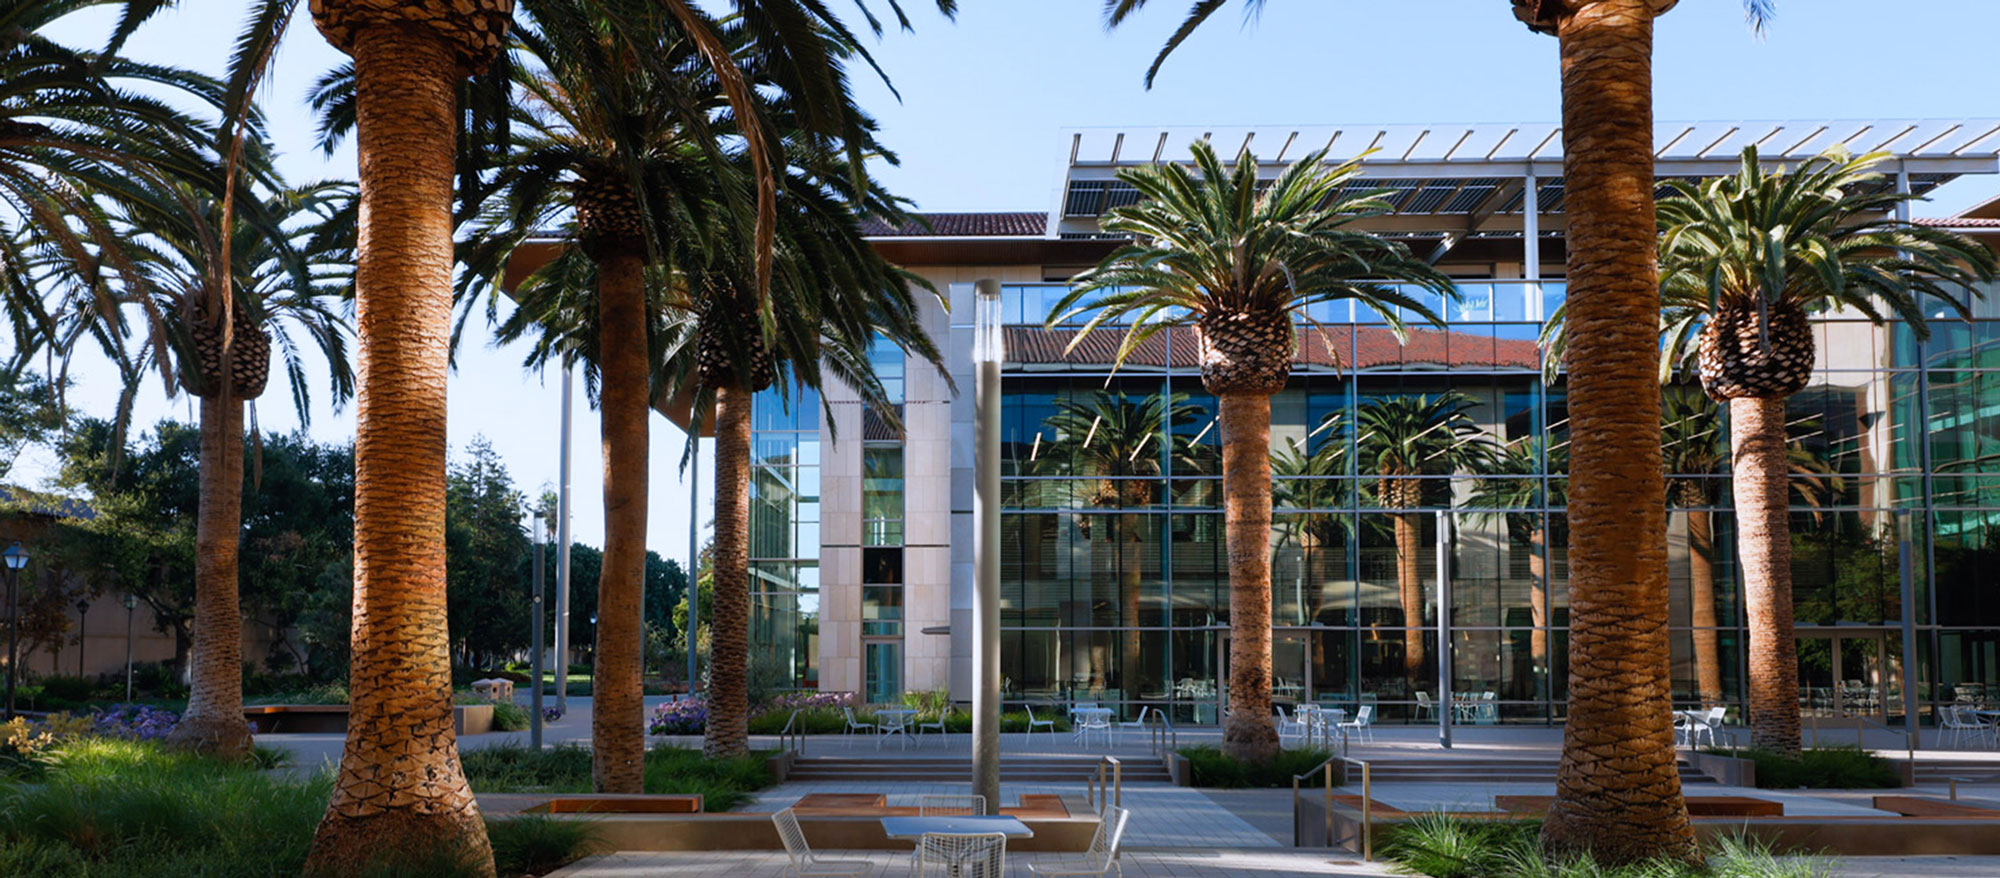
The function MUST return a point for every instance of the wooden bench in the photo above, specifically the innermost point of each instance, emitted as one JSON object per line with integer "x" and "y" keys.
{"x": 1698, "y": 806}
{"x": 674, "y": 803}
{"x": 1912, "y": 806}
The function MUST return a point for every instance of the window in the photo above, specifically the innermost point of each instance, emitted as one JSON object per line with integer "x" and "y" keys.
{"x": 882, "y": 495}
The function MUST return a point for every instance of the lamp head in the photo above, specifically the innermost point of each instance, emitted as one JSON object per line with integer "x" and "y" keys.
{"x": 82, "y": 605}
{"x": 15, "y": 556}
{"x": 131, "y": 602}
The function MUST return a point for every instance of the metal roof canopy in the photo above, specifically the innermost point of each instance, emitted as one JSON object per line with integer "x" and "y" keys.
{"x": 1478, "y": 171}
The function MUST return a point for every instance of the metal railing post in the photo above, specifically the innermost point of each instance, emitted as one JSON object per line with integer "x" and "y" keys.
{"x": 1329, "y": 803}
{"x": 1367, "y": 820}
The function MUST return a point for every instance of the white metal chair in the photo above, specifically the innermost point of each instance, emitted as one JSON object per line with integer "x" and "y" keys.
{"x": 951, "y": 806}
{"x": 1100, "y": 858}
{"x": 1292, "y": 726}
{"x": 1038, "y": 723}
{"x": 1140, "y": 723}
{"x": 853, "y": 724}
{"x": 938, "y": 725}
{"x": 980, "y": 855}
{"x": 1958, "y": 721}
{"x": 1363, "y": 723}
{"x": 1426, "y": 708}
{"x": 805, "y": 863}
{"x": 1092, "y": 721}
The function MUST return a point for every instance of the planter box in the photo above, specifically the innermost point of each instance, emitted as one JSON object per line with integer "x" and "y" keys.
{"x": 1727, "y": 770}
{"x": 331, "y": 719}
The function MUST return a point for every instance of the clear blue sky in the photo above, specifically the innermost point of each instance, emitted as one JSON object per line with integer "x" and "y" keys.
{"x": 984, "y": 100}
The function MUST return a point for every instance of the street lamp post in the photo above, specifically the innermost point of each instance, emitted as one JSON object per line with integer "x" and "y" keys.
{"x": 131, "y": 609}
{"x": 986, "y": 356}
{"x": 16, "y": 558}
{"x": 82, "y": 620}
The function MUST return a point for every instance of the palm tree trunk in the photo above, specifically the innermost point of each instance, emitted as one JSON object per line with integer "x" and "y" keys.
{"x": 729, "y": 633}
{"x": 618, "y": 710}
{"x": 1246, "y": 489}
{"x": 1701, "y": 600}
{"x": 1130, "y": 541}
{"x": 1618, "y": 792}
{"x": 214, "y": 724}
{"x": 400, "y": 790}
{"x": 1761, "y": 469}
{"x": 1410, "y": 588}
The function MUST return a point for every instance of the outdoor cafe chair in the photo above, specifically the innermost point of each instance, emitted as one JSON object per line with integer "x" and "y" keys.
{"x": 952, "y": 855}
{"x": 1140, "y": 723}
{"x": 854, "y": 724}
{"x": 1426, "y": 708}
{"x": 1958, "y": 720}
{"x": 1363, "y": 723}
{"x": 1034, "y": 723}
{"x": 1101, "y": 858}
{"x": 806, "y": 864}
{"x": 943, "y": 715}
{"x": 1292, "y": 726}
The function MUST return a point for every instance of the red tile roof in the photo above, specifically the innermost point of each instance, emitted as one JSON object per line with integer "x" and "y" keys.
{"x": 1959, "y": 222}
{"x": 1359, "y": 347}
{"x": 962, "y": 225}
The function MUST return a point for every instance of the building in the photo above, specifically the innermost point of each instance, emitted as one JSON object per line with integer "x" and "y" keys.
{"x": 1114, "y": 578}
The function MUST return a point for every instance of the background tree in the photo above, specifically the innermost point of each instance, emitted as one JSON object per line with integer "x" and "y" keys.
{"x": 1744, "y": 259}
{"x": 1510, "y": 488}
{"x": 488, "y": 552}
{"x": 29, "y": 416}
{"x": 1240, "y": 263}
{"x": 1126, "y": 443}
{"x": 1691, "y": 453}
{"x": 1403, "y": 439}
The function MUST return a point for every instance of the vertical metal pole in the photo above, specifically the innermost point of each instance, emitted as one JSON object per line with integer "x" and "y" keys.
{"x": 13, "y": 625}
{"x": 537, "y": 623}
{"x": 694, "y": 560}
{"x": 986, "y": 548}
{"x": 1531, "y": 241}
{"x": 1904, "y": 549}
{"x": 131, "y": 609}
{"x": 82, "y": 636}
{"x": 1446, "y": 702}
{"x": 562, "y": 558}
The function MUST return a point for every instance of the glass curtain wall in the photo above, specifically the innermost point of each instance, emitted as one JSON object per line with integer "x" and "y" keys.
{"x": 1388, "y": 456}
{"x": 784, "y": 540}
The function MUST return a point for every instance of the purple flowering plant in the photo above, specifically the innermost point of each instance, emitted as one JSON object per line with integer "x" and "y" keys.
{"x": 135, "y": 722}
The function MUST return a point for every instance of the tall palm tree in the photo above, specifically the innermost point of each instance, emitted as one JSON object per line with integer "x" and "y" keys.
{"x": 1509, "y": 488}
{"x": 1127, "y": 443}
{"x": 1402, "y": 439}
{"x": 1691, "y": 450}
{"x": 1744, "y": 259}
{"x": 1309, "y": 479}
{"x": 400, "y": 787}
{"x": 1240, "y": 263}
{"x": 279, "y": 286}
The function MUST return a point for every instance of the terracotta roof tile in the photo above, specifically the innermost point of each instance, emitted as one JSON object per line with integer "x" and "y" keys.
{"x": 962, "y": 225}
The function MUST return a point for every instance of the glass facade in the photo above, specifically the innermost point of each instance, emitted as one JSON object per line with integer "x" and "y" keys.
{"x": 784, "y": 538}
{"x": 1395, "y": 459}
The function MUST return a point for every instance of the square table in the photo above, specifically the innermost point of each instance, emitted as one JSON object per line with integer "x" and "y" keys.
{"x": 915, "y": 828}
{"x": 903, "y": 717}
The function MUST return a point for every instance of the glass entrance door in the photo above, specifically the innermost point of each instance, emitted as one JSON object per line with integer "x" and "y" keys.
{"x": 883, "y": 660}
{"x": 1850, "y": 673}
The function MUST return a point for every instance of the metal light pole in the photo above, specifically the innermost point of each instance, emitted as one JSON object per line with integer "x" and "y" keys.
{"x": 986, "y": 356}
{"x": 535, "y": 640}
{"x": 16, "y": 558}
{"x": 82, "y": 619}
{"x": 131, "y": 609}
{"x": 1447, "y": 702}
{"x": 562, "y": 560}
{"x": 694, "y": 561}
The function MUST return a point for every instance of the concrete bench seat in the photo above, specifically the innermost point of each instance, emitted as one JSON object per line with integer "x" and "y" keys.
{"x": 1913, "y": 806}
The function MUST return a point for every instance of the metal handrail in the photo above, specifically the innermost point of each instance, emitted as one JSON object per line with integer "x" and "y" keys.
{"x": 1097, "y": 789}
{"x": 1909, "y": 731}
{"x": 789, "y": 739}
{"x": 1161, "y": 737}
{"x": 1367, "y": 801}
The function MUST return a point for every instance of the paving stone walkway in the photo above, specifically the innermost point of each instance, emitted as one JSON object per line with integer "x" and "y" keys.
{"x": 1135, "y": 864}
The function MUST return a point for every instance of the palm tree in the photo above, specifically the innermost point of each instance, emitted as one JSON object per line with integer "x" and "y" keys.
{"x": 1744, "y": 258}
{"x": 1127, "y": 444}
{"x": 1509, "y": 488}
{"x": 280, "y": 281}
{"x": 1308, "y": 479}
{"x": 1404, "y": 438}
{"x": 1240, "y": 264}
{"x": 1691, "y": 450}
{"x": 400, "y": 787}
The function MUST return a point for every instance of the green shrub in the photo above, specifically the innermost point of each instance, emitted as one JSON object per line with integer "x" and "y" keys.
{"x": 511, "y": 768}
{"x": 535, "y": 844}
{"x": 960, "y": 722}
{"x": 1211, "y": 768}
{"x": 67, "y": 689}
{"x": 811, "y": 721}
{"x": 1444, "y": 846}
{"x": 318, "y": 693}
{"x": 509, "y": 717}
{"x": 1824, "y": 768}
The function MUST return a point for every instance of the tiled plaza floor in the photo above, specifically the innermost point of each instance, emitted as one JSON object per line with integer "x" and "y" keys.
{"x": 1136, "y": 864}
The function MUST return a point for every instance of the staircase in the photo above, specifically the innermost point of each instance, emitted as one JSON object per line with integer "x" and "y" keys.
{"x": 1481, "y": 770}
{"x": 1938, "y": 771}
{"x": 958, "y": 769}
